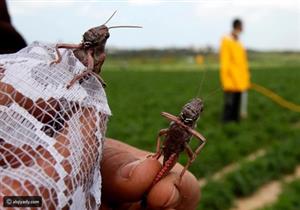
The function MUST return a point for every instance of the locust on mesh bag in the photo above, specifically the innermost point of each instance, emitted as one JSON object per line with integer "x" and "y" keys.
{"x": 91, "y": 51}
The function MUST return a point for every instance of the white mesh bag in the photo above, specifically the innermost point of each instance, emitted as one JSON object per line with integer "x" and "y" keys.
{"x": 51, "y": 137}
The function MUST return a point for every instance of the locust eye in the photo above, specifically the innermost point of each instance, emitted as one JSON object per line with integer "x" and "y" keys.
{"x": 106, "y": 36}
{"x": 87, "y": 44}
{"x": 186, "y": 119}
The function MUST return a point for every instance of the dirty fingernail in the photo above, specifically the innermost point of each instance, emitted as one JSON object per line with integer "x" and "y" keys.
{"x": 127, "y": 170}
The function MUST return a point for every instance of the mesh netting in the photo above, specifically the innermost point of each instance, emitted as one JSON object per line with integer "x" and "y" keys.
{"x": 50, "y": 136}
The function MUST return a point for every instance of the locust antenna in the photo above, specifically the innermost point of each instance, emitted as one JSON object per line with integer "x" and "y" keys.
{"x": 110, "y": 17}
{"x": 124, "y": 27}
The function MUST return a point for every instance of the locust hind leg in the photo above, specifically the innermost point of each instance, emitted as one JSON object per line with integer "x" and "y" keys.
{"x": 82, "y": 75}
{"x": 78, "y": 77}
{"x": 191, "y": 158}
{"x": 201, "y": 139}
{"x": 66, "y": 46}
{"x": 88, "y": 71}
{"x": 158, "y": 152}
{"x": 192, "y": 154}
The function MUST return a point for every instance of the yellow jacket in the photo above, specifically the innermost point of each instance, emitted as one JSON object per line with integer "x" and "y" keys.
{"x": 234, "y": 66}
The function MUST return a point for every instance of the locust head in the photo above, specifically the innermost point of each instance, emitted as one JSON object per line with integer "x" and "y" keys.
{"x": 97, "y": 36}
{"x": 191, "y": 111}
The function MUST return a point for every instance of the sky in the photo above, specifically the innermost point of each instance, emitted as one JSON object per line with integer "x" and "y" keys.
{"x": 268, "y": 24}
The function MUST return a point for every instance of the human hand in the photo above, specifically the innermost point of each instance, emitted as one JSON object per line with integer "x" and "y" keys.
{"x": 127, "y": 175}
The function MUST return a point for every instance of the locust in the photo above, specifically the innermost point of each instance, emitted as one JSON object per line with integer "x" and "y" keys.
{"x": 91, "y": 51}
{"x": 177, "y": 138}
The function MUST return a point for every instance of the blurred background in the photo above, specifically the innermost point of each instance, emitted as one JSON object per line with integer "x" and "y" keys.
{"x": 253, "y": 164}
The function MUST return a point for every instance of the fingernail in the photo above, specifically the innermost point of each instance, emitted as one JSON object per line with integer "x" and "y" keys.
{"x": 127, "y": 170}
{"x": 174, "y": 198}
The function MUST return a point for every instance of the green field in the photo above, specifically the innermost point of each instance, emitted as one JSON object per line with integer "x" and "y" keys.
{"x": 137, "y": 97}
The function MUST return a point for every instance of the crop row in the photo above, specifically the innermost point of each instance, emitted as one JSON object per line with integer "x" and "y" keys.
{"x": 280, "y": 159}
{"x": 289, "y": 199}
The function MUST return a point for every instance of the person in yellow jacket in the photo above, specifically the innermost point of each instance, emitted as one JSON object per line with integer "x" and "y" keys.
{"x": 234, "y": 72}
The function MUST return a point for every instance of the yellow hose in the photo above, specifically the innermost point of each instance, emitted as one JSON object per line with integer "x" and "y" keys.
{"x": 276, "y": 98}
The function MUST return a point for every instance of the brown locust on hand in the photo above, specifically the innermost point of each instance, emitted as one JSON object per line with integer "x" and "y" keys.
{"x": 91, "y": 51}
{"x": 177, "y": 138}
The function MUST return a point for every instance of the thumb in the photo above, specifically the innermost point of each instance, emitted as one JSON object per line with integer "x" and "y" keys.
{"x": 126, "y": 177}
